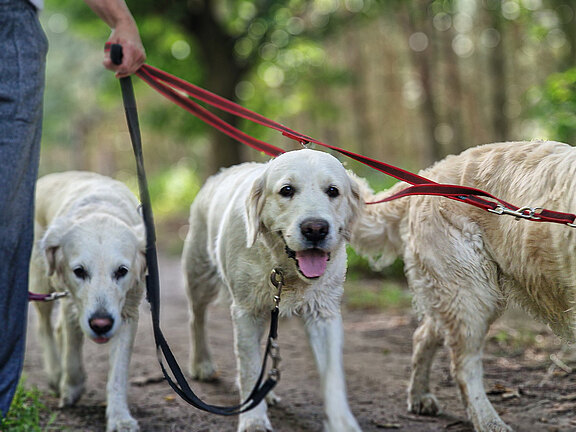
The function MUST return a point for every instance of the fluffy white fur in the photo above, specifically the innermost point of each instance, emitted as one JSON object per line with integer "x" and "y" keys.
{"x": 465, "y": 265}
{"x": 89, "y": 240}
{"x": 250, "y": 219}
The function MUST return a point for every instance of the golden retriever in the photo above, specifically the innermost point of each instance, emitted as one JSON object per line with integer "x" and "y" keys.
{"x": 292, "y": 213}
{"x": 89, "y": 240}
{"x": 465, "y": 265}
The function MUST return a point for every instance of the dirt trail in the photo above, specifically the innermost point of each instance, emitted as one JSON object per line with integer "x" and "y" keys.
{"x": 377, "y": 362}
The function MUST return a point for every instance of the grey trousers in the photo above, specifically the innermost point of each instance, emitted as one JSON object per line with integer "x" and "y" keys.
{"x": 23, "y": 47}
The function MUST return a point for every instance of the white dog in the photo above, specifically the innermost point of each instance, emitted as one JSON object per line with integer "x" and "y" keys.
{"x": 293, "y": 213}
{"x": 90, "y": 242}
{"x": 465, "y": 265}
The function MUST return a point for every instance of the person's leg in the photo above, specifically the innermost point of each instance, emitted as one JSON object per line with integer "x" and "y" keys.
{"x": 22, "y": 64}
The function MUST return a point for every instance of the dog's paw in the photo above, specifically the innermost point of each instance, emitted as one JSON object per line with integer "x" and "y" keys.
{"x": 342, "y": 424}
{"x": 124, "y": 424}
{"x": 255, "y": 425}
{"x": 272, "y": 399}
{"x": 69, "y": 395}
{"x": 204, "y": 371}
{"x": 54, "y": 385}
{"x": 427, "y": 404}
{"x": 494, "y": 426}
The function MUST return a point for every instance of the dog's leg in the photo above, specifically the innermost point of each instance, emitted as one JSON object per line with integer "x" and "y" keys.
{"x": 71, "y": 340}
{"x": 202, "y": 286}
{"x": 466, "y": 348}
{"x": 459, "y": 290}
{"x": 248, "y": 330}
{"x": 202, "y": 290}
{"x": 326, "y": 340}
{"x": 464, "y": 309}
{"x": 49, "y": 349}
{"x": 117, "y": 412}
{"x": 426, "y": 341}
{"x": 201, "y": 365}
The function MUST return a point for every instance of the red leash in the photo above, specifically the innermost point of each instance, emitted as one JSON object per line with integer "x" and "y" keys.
{"x": 46, "y": 297}
{"x": 176, "y": 89}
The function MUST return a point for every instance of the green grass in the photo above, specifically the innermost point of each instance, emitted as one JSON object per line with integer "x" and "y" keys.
{"x": 514, "y": 340}
{"x": 377, "y": 295}
{"x": 368, "y": 289}
{"x": 25, "y": 412}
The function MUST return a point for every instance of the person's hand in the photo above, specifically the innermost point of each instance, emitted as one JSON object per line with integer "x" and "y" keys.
{"x": 126, "y": 34}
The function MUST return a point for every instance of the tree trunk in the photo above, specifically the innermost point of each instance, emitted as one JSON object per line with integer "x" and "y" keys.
{"x": 497, "y": 67}
{"x": 454, "y": 95}
{"x": 416, "y": 22}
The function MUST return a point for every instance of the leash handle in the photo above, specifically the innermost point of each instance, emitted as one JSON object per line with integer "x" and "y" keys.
{"x": 116, "y": 54}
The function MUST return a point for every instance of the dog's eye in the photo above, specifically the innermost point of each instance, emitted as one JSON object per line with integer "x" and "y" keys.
{"x": 287, "y": 191}
{"x": 332, "y": 191}
{"x": 80, "y": 272}
{"x": 121, "y": 272}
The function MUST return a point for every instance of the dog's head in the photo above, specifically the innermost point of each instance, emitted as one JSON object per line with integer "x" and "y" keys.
{"x": 308, "y": 199}
{"x": 100, "y": 260}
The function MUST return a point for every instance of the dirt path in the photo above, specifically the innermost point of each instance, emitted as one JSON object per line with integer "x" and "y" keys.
{"x": 377, "y": 359}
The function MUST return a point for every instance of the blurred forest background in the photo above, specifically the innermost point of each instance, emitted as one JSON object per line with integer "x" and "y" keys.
{"x": 403, "y": 81}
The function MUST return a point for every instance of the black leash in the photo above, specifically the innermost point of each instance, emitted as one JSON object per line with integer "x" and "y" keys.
{"x": 179, "y": 383}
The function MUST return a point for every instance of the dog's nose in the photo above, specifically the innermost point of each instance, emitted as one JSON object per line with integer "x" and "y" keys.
{"x": 314, "y": 229}
{"x": 101, "y": 323}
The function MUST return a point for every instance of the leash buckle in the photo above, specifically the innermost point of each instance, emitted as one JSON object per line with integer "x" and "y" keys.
{"x": 274, "y": 353}
{"x": 47, "y": 297}
{"x": 523, "y": 212}
{"x": 277, "y": 279}
{"x": 273, "y": 349}
{"x": 56, "y": 295}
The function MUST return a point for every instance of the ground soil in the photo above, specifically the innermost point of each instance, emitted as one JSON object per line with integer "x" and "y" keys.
{"x": 529, "y": 394}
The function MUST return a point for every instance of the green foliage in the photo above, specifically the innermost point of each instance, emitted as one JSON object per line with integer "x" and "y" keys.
{"x": 171, "y": 191}
{"x": 554, "y": 105}
{"x": 25, "y": 412}
{"x": 277, "y": 44}
{"x": 359, "y": 268}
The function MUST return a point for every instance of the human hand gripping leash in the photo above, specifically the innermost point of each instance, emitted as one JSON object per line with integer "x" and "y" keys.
{"x": 179, "y": 383}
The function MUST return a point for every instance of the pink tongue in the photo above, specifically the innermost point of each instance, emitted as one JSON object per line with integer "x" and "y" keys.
{"x": 312, "y": 262}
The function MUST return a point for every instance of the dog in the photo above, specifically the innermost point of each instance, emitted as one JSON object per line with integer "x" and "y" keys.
{"x": 464, "y": 265}
{"x": 294, "y": 214}
{"x": 89, "y": 240}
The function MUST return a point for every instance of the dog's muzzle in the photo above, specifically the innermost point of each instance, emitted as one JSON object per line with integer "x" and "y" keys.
{"x": 101, "y": 324}
{"x": 313, "y": 261}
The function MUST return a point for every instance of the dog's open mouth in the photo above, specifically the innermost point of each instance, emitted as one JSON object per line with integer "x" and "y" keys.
{"x": 311, "y": 263}
{"x": 100, "y": 339}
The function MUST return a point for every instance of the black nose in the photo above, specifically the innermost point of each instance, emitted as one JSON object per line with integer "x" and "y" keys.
{"x": 314, "y": 229}
{"x": 101, "y": 323}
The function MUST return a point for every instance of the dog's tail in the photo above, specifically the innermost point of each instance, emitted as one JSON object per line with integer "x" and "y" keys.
{"x": 376, "y": 233}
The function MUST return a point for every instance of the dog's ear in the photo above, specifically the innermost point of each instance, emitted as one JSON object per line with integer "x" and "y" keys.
{"x": 355, "y": 199}
{"x": 254, "y": 206}
{"x": 141, "y": 266}
{"x": 50, "y": 245}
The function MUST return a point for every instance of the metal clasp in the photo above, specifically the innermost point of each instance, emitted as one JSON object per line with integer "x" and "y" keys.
{"x": 57, "y": 295}
{"x": 47, "y": 297}
{"x": 274, "y": 353}
{"x": 523, "y": 212}
{"x": 277, "y": 279}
